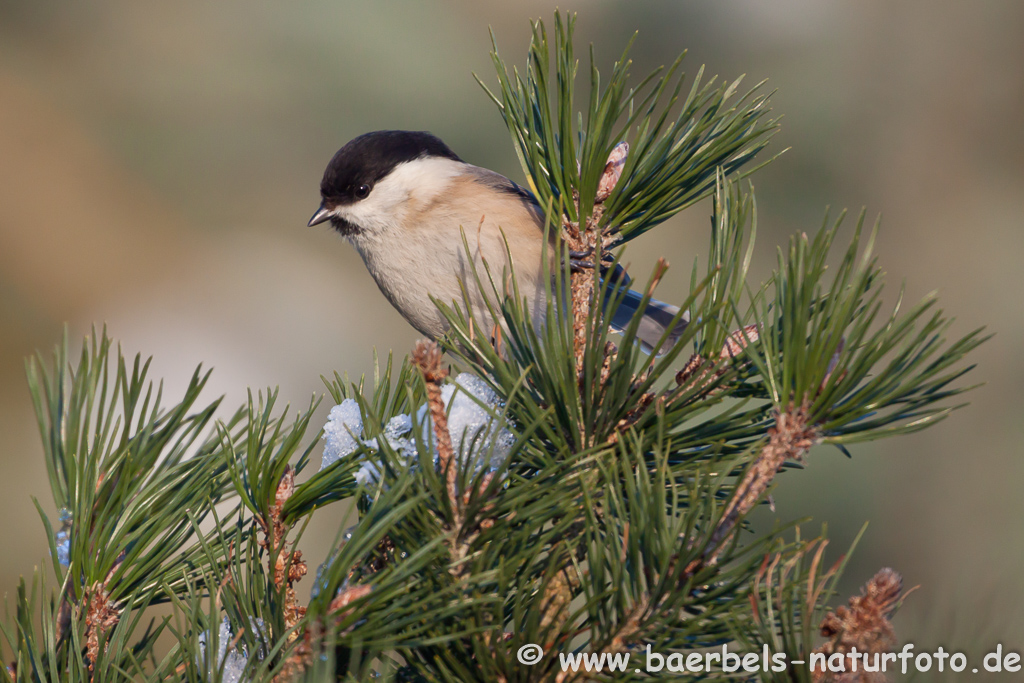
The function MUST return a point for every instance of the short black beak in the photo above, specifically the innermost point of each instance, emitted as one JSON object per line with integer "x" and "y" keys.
{"x": 322, "y": 214}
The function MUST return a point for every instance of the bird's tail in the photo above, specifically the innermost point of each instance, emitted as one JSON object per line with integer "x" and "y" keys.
{"x": 658, "y": 317}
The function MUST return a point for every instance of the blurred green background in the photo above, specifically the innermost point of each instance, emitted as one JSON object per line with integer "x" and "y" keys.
{"x": 158, "y": 163}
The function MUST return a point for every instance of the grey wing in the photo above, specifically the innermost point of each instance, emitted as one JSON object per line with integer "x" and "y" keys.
{"x": 498, "y": 182}
{"x": 658, "y": 318}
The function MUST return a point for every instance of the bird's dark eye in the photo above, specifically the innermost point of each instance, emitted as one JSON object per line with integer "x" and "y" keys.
{"x": 363, "y": 191}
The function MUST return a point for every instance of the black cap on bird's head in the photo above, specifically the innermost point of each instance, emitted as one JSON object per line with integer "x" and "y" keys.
{"x": 363, "y": 161}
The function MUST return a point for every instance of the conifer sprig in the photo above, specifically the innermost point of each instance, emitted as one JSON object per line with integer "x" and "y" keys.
{"x": 678, "y": 142}
{"x": 123, "y": 468}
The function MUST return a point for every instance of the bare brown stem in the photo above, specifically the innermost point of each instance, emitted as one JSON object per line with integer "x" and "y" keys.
{"x": 427, "y": 357}
{"x": 102, "y": 614}
{"x": 789, "y": 439}
{"x": 286, "y": 567}
{"x": 588, "y": 239}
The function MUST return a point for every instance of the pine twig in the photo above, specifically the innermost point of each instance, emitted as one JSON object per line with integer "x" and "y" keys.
{"x": 863, "y": 625}
{"x": 789, "y": 439}
{"x": 287, "y": 568}
{"x": 589, "y": 239}
{"x": 101, "y": 616}
{"x": 427, "y": 357}
{"x": 702, "y": 372}
{"x": 102, "y": 613}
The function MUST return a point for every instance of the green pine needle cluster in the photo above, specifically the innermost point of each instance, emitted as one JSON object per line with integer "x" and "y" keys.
{"x": 617, "y": 521}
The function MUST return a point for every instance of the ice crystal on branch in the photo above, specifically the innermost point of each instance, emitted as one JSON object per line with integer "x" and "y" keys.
{"x": 479, "y": 435}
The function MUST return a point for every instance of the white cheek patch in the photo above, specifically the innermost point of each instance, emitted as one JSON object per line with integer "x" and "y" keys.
{"x": 409, "y": 185}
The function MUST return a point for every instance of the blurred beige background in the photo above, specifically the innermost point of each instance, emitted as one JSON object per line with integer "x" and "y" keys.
{"x": 158, "y": 163}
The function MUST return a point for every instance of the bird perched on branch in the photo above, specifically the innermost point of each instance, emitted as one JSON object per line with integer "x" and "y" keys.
{"x": 404, "y": 200}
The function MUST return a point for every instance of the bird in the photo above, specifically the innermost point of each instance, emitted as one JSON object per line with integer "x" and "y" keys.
{"x": 405, "y": 200}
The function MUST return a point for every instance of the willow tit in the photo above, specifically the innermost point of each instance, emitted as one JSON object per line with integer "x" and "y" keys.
{"x": 404, "y": 200}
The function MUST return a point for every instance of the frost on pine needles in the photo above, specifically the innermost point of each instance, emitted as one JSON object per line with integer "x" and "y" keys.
{"x": 233, "y": 662}
{"x": 475, "y": 432}
{"x": 477, "y": 435}
{"x": 62, "y": 538}
{"x": 342, "y": 431}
